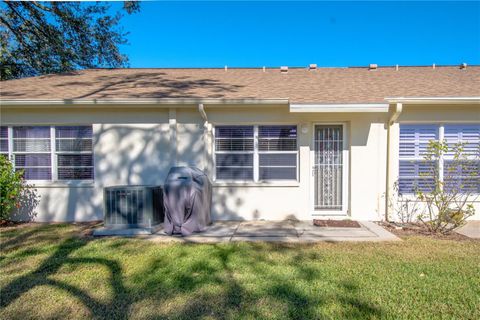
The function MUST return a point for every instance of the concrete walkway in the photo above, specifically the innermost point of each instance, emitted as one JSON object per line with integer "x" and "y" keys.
{"x": 279, "y": 231}
{"x": 471, "y": 229}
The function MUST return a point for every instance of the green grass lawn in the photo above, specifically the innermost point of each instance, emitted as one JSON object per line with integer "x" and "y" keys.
{"x": 48, "y": 271}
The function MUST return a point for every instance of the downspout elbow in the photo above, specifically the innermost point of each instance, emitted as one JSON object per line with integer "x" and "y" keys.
{"x": 396, "y": 113}
{"x": 201, "y": 109}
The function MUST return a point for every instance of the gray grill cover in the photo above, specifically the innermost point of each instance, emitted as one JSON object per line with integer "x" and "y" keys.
{"x": 187, "y": 198}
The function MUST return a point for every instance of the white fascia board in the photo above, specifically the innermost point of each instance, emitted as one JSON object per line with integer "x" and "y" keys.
{"x": 155, "y": 103}
{"x": 344, "y": 108}
{"x": 434, "y": 100}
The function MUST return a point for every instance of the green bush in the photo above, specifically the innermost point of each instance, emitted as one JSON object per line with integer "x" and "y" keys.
{"x": 13, "y": 189}
{"x": 447, "y": 205}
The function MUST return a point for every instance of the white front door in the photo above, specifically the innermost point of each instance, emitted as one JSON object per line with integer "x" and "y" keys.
{"x": 329, "y": 171}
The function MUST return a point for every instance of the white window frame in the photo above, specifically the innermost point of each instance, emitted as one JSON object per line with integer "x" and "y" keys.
{"x": 441, "y": 137}
{"x": 256, "y": 158}
{"x": 53, "y": 154}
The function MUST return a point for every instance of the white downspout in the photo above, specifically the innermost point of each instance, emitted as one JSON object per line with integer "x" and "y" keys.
{"x": 396, "y": 113}
{"x": 207, "y": 133}
{"x": 388, "y": 188}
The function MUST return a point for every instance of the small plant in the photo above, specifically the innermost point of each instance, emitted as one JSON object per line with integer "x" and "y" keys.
{"x": 405, "y": 209}
{"x": 15, "y": 194}
{"x": 448, "y": 201}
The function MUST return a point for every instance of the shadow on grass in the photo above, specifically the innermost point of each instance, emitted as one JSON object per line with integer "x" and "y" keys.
{"x": 208, "y": 281}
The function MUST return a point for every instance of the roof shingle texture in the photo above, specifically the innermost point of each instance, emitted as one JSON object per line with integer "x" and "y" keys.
{"x": 299, "y": 85}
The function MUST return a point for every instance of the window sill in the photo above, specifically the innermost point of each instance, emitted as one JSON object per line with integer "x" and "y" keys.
{"x": 474, "y": 197}
{"x": 61, "y": 184}
{"x": 256, "y": 184}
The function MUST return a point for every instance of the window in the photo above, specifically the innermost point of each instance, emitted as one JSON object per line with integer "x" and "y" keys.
{"x": 234, "y": 152}
{"x": 32, "y": 152}
{"x": 415, "y": 172}
{"x": 74, "y": 152}
{"x": 4, "y": 141}
{"x": 256, "y": 153}
{"x": 50, "y": 153}
{"x": 465, "y": 175}
{"x": 277, "y": 148}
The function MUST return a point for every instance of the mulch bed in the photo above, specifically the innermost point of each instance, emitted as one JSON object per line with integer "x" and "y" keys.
{"x": 8, "y": 223}
{"x": 412, "y": 229}
{"x": 336, "y": 223}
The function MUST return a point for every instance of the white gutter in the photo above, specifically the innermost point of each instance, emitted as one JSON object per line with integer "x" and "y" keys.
{"x": 350, "y": 107}
{"x": 434, "y": 100}
{"x": 388, "y": 181}
{"x": 155, "y": 103}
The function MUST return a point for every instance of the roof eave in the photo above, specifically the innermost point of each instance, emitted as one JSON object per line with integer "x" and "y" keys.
{"x": 434, "y": 100}
{"x": 154, "y": 102}
{"x": 339, "y": 107}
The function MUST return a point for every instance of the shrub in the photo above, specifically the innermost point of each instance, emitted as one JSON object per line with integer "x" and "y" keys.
{"x": 448, "y": 203}
{"x": 14, "y": 192}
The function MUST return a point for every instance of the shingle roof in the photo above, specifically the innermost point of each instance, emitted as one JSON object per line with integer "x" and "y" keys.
{"x": 299, "y": 85}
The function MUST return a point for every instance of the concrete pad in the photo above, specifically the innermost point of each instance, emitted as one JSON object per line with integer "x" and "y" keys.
{"x": 381, "y": 232}
{"x": 471, "y": 229}
{"x": 189, "y": 239}
{"x": 217, "y": 229}
{"x": 220, "y": 229}
{"x": 130, "y": 232}
{"x": 258, "y": 238}
{"x": 368, "y": 231}
{"x": 266, "y": 229}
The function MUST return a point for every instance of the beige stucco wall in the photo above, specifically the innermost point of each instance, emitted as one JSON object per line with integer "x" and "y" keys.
{"x": 137, "y": 145}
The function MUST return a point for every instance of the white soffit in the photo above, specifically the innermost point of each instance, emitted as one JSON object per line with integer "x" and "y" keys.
{"x": 352, "y": 107}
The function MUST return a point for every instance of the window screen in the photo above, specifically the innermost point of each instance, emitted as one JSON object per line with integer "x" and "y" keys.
{"x": 277, "y": 148}
{"x": 49, "y": 153}
{"x": 32, "y": 152}
{"x": 74, "y": 152}
{"x": 256, "y": 152}
{"x": 234, "y": 150}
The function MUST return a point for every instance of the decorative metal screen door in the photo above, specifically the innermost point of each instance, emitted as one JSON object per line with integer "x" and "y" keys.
{"x": 328, "y": 168}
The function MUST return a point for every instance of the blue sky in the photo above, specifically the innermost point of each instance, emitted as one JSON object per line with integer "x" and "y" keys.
{"x": 255, "y": 34}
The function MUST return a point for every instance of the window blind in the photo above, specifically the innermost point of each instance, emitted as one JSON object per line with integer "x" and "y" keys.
{"x": 256, "y": 152}
{"x": 74, "y": 152}
{"x": 234, "y": 150}
{"x": 277, "y": 147}
{"x": 32, "y": 152}
{"x": 415, "y": 173}
{"x": 49, "y": 153}
{"x": 463, "y": 175}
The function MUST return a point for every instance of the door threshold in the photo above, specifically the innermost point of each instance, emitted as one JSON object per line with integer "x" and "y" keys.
{"x": 331, "y": 216}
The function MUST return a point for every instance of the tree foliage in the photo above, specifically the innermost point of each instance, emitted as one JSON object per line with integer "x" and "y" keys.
{"x": 52, "y": 37}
